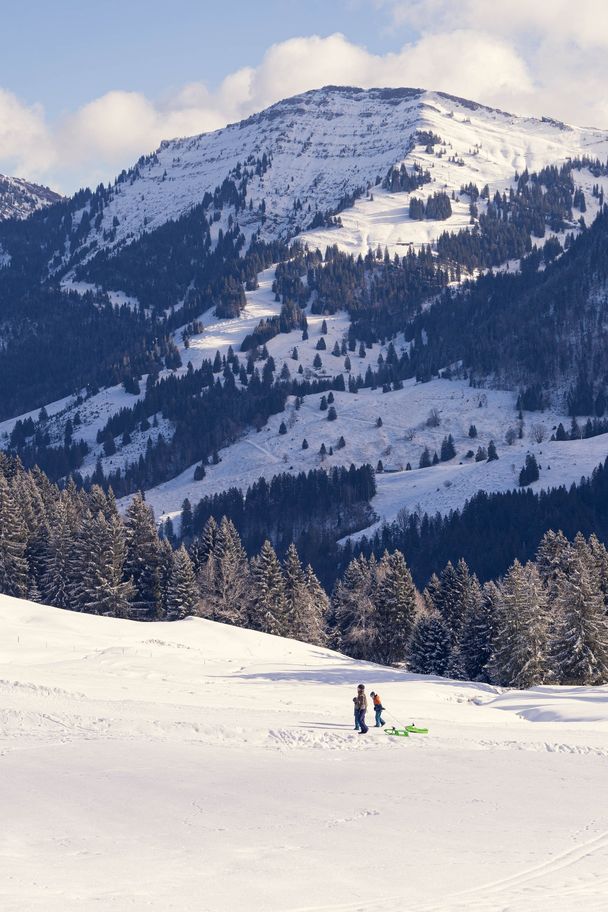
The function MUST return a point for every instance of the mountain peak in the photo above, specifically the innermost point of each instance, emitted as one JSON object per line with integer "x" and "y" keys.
{"x": 19, "y": 198}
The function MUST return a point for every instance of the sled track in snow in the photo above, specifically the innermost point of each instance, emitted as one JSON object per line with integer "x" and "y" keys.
{"x": 508, "y": 891}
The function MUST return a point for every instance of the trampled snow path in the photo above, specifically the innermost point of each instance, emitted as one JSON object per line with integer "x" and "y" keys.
{"x": 193, "y": 766}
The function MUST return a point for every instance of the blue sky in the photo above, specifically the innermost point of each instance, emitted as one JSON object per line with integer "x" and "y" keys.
{"x": 66, "y": 52}
{"x": 86, "y": 87}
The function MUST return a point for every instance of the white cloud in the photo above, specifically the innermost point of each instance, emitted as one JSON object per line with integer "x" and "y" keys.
{"x": 537, "y": 58}
{"x": 23, "y": 134}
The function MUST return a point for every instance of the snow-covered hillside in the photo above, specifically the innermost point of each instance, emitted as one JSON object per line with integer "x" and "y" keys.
{"x": 399, "y": 441}
{"x": 329, "y": 143}
{"x": 193, "y": 766}
{"x": 319, "y": 148}
{"x": 19, "y": 198}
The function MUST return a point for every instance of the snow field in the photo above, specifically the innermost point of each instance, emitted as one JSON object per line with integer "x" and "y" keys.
{"x": 327, "y": 143}
{"x": 331, "y": 142}
{"x": 193, "y": 766}
{"x": 401, "y": 439}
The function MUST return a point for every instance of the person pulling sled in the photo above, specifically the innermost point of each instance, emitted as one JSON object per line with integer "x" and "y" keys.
{"x": 378, "y": 709}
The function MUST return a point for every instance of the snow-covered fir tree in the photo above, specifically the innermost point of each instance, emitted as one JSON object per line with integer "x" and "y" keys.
{"x": 268, "y": 606}
{"x": 224, "y": 578}
{"x": 430, "y": 648}
{"x": 521, "y": 652}
{"x": 57, "y": 583}
{"x": 182, "y": 595}
{"x": 142, "y": 564}
{"x": 353, "y": 611}
{"x": 581, "y": 637}
{"x": 395, "y": 600}
{"x": 103, "y": 589}
{"x": 478, "y": 633}
{"x": 306, "y": 602}
{"x": 13, "y": 545}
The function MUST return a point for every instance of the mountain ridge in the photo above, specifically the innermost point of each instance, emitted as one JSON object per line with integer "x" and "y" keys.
{"x": 20, "y": 197}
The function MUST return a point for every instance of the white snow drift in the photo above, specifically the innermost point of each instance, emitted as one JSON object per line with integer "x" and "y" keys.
{"x": 201, "y": 768}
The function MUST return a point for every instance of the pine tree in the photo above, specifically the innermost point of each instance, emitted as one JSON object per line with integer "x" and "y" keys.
{"x": 599, "y": 557}
{"x": 102, "y": 589}
{"x": 306, "y": 602}
{"x": 187, "y": 519}
{"x": 395, "y": 609}
{"x": 553, "y": 558}
{"x": 451, "y": 598}
{"x": 56, "y": 580}
{"x": 165, "y": 565}
{"x": 352, "y": 610}
{"x": 317, "y": 608}
{"x": 182, "y": 595}
{"x": 13, "y": 545}
{"x": 521, "y": 653}
{"x": 448, "y": 450}
{"x": 429, "y": 650}
{"x": 224, "y": 576}
{"x": 425, "y": 459}
{"x": 268, "y": 609}
{"x": 581, "y": 637}
{"x": 478, "y": 633}
{"x": 142, "y": 564}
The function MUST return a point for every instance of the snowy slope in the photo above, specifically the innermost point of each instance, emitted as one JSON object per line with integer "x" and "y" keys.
{"x": 400, "y": 440}
{"x": 331, "y": 142}
{"x": 192, "y": 767}
{"x": 19, "y": 198}
{"x": 323, "y": 145}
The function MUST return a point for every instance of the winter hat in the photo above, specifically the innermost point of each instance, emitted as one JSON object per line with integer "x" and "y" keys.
{"x": 361, "y": 687}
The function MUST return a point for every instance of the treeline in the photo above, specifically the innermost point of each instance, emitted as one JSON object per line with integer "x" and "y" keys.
{"x": 312, "y": 509}
{"x": 400, "y": 180}
{"x": 73, "y": 550}
{"x": 491, "y": 530}
{"x": 535, "y": 327}
{"x": 44, "y": 357}
{"x": 437, "y": 207}
{"x": 207, "y": 414}
{"x": 504, "y": 231}
{"x": 544, "y": 622}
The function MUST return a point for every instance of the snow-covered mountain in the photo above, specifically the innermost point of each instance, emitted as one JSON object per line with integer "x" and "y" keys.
{"x": 221, "y": 764}
{"x": 19, "y": 198}
{"x": 309, "y": 154}
{"x": 292, "y": 166}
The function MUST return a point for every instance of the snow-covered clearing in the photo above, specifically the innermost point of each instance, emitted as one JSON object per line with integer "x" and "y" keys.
{"x": 400, "y": 440}
{"x": 200, "y": 768}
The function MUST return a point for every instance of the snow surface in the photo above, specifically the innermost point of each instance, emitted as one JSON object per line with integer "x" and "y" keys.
{"x": 19, "y": 198}
{"x": 400, "y": 440}
{"x": 194, "y": 767}
{"x": 331, "y": 142}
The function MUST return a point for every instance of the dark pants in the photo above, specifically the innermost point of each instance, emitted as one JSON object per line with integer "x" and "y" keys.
{"x": 379, "y": 719}
{"x": 361, "y": 720}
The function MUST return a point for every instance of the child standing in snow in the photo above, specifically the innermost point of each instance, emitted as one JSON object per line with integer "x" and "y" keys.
{"x": 378, "y": 707}
{"x": 356, "y": 714}
{"x": 361, "y": 708}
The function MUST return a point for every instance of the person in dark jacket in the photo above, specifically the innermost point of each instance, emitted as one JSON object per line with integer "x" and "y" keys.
{"x": 356, "y": 714}
{"x": 361, "y": 706}
{"x": 378, "y": 707}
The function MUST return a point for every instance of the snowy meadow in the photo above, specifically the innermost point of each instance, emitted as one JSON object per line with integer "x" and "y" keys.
{"x": 196, "y": 766}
